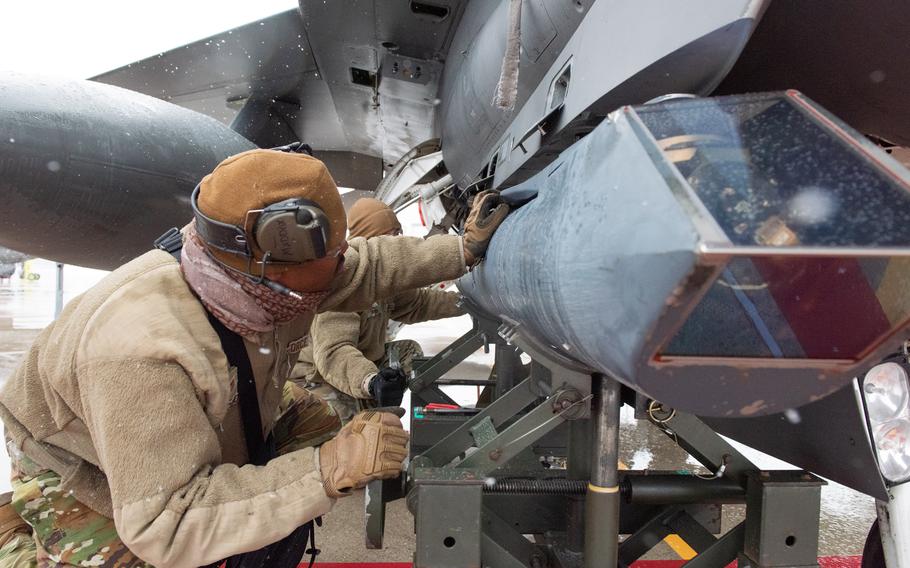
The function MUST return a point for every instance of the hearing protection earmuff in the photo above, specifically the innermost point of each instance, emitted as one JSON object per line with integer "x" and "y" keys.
{"x": 292, "y": 231}
{"x": 289, "y": 232}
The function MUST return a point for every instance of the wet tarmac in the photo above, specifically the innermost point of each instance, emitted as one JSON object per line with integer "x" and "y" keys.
{"x": 27, "y": 306}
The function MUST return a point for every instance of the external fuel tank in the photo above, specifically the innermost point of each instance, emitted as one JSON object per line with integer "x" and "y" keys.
{"x": 91, "y": 174}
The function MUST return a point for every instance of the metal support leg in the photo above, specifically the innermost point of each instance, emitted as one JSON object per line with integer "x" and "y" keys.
{"x": 500, "y": 411}
{"x": 721, "y": 553}
{"x": 377, "y": 494}
{"x": 782, "y": 510}
{"x": 706, "y": 446}
{"x": 374, "y": 514}
{"x": 498, "y": 450}
{"x": 448, "y": 521}
{"x": 579, "y": 467}
{"x": 442, "y": 363}
{"x": 504, "y": 547}
{"x": 508, "y": 368}
{"x": 602, "y": 499}
{"x": 894, "y": 525}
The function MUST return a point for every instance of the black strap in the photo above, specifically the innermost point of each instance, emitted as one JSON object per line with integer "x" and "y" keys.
{"x": 287, "y": 552}
{"x": 259, "y": 451}
{"x": 295, "y": 148}
{"x": 171, "y": 242}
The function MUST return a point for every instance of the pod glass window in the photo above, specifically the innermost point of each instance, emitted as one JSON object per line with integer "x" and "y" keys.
{"x": 775, "y": 172}
{"x": 817, "y": 264}
{"x": 797, "y": 307}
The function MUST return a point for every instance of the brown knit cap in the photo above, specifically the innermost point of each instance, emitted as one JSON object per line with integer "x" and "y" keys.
{"x": 258, "y": 178}
{"x": 370, "y": 217}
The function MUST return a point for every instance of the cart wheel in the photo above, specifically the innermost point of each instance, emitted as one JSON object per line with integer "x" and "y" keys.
{"x": 873, "y": 553}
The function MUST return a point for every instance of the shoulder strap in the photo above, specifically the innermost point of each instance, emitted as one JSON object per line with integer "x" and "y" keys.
{"x": 171, "y": 242}
{"x": 287, "y": 552}
{"x": 259, "y": 451}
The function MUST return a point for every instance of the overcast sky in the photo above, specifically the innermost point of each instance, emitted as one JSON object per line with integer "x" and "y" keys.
{"x": 80, "y": 39}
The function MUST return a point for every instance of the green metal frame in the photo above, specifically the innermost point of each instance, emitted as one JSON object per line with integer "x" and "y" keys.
{"x": 459, "y": 525}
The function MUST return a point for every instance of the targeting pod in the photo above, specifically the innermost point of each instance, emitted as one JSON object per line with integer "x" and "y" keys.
{"x": 736, "y": 256}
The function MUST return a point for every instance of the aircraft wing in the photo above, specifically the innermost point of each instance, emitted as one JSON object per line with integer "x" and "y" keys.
{"x": 298, "y": 76}
{"x": 217, "y": 75}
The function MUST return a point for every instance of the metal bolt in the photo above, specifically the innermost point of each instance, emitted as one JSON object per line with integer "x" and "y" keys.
{"x": 496, "y": 454}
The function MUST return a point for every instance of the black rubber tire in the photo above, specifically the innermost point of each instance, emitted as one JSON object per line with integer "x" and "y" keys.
{"x": 873, "y": 552}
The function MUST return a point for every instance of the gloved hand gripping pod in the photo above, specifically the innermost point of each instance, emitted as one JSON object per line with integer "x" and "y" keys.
{"x": 487, "y": 213}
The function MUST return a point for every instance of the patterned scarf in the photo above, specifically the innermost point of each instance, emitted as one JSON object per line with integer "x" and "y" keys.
{"x": 243, "y": 306}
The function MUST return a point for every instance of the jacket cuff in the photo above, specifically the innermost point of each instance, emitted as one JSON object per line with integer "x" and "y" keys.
{"x": 318, "y": 465}
{"x": 365, "y": 386}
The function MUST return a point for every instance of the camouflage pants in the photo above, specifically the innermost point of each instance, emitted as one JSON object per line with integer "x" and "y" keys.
{"x": 345, "y": 405}
{"x": 65, "y": 532}
{"x": 16, "y": 543}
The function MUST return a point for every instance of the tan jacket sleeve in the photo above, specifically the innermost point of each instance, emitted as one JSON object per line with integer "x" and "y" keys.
{"x": 174, "y": 503}
{"x": 415, "y": 306}
{"x": 379, "y": 268}
{"x": 335, "y": 337}
{"x": 145, "y": 382}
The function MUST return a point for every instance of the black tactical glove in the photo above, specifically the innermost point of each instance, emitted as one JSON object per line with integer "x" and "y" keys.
{"x": 388, "y": 386}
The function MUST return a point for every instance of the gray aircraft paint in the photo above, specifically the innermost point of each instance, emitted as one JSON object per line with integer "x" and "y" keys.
{"x": 604, "y": 47}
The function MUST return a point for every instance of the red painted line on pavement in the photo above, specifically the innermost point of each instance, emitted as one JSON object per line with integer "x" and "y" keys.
{"x": 824, "y": 562}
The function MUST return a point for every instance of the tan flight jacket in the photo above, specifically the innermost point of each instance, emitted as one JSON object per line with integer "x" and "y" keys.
{"x": 344, "y": 348}
{"x": 129, "y": 397}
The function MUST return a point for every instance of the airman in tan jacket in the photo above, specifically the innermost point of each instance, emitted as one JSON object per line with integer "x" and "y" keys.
{"x": 126, "y": 409}
{"x": 346, "y": 360}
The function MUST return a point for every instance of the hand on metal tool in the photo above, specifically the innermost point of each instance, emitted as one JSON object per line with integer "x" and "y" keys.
{"x": 388, "y": 386}
{"x": 487, "y": 213}
{"x": 371, "y": 446}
